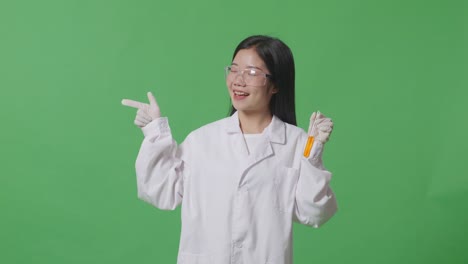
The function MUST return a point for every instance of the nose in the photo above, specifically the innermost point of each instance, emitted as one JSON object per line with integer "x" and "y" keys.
{"x": 239, "y": 79}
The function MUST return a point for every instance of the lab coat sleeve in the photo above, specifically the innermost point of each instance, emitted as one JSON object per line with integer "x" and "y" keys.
{"x": 160, "y": 167}
{"x": 315, "y": 200}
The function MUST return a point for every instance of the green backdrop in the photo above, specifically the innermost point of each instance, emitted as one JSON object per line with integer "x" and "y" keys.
{"x": 391, "y": 74}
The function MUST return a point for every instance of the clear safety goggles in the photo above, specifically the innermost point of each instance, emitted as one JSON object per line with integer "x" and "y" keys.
{"x": 250, "y": 76}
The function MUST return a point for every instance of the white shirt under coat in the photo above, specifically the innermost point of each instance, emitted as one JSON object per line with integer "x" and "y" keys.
{"x": 236, "y": 208}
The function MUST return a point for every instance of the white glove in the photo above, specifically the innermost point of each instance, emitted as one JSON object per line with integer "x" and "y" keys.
{"x": 320, "y": 127}
{"x": 146, "y": 112}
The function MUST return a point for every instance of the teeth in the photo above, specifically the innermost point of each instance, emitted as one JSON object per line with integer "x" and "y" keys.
{"x": 240, "y": 93}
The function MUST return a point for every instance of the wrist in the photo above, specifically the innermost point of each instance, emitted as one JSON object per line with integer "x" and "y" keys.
{"x": 315, "y": 157}
{"x": 159, "y": 125}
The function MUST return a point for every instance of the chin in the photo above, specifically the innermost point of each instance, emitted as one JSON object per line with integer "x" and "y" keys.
{"x": 239, "y": 107}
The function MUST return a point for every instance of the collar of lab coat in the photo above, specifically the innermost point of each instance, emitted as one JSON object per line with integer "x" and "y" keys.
{"x": 276, "y": 130}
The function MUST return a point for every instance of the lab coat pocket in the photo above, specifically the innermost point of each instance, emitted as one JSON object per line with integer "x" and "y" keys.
{"x": 285, "y": 184}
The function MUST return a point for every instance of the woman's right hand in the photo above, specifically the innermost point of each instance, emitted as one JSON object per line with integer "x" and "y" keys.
{"x": 146, "y": 112}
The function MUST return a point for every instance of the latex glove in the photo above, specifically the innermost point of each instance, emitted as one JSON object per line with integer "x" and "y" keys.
{"x": 320, "y": 127}
{"x": 146, "y": 112}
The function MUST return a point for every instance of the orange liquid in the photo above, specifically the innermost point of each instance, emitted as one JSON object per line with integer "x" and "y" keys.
{"x": 308, "y": 148}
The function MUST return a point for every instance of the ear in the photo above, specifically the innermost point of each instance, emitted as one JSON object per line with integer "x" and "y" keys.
{"x": 273, "y": 89}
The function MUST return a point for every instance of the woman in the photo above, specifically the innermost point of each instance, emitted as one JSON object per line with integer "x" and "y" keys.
{"x": 241, "y": 180}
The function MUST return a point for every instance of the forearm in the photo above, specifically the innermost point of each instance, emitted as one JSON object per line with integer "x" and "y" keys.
{"x": 315, "y": 200}
{"x": 159, "y": 167}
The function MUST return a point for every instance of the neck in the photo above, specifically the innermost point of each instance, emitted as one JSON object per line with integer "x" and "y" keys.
{"x": 254, "y": 122}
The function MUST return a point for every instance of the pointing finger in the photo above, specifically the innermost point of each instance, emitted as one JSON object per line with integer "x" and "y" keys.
{"x": 134, "y": 104}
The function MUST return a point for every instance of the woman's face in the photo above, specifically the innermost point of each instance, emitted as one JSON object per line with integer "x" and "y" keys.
{"x": 254, "y": 95}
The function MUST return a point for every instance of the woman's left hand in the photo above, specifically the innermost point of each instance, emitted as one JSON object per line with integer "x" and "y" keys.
{"x": 320, "y": 127}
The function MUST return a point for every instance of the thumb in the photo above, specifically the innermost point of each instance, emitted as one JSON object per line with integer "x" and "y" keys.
{"x": 152, "y": 100}
{"x": 313, "y": 116}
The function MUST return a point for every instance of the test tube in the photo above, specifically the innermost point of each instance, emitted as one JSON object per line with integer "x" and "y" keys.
{"x": 310, "y": 139}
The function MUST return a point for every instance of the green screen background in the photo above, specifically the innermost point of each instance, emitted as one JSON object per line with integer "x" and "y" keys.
{"x": 391, "y": 74}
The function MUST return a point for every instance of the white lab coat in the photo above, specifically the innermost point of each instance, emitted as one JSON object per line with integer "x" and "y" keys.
{"x": 236, "y": 208}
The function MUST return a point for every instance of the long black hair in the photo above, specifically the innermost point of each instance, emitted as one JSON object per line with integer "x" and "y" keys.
{"x": 279, "y": 60}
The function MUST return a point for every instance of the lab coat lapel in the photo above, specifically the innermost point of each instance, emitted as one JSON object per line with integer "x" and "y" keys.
{"x": 264, "y": 151}
{"x": 275, "y": 133}
{"x": 241, "y": 154}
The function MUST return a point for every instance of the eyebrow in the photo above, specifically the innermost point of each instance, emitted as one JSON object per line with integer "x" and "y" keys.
{"x": 250, "y": 66}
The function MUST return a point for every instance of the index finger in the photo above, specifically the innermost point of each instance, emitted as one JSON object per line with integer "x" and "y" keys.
{"x": 134, "y": 104}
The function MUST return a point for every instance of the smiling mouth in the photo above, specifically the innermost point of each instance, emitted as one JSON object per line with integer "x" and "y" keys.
{"x": 239, "y": 93}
